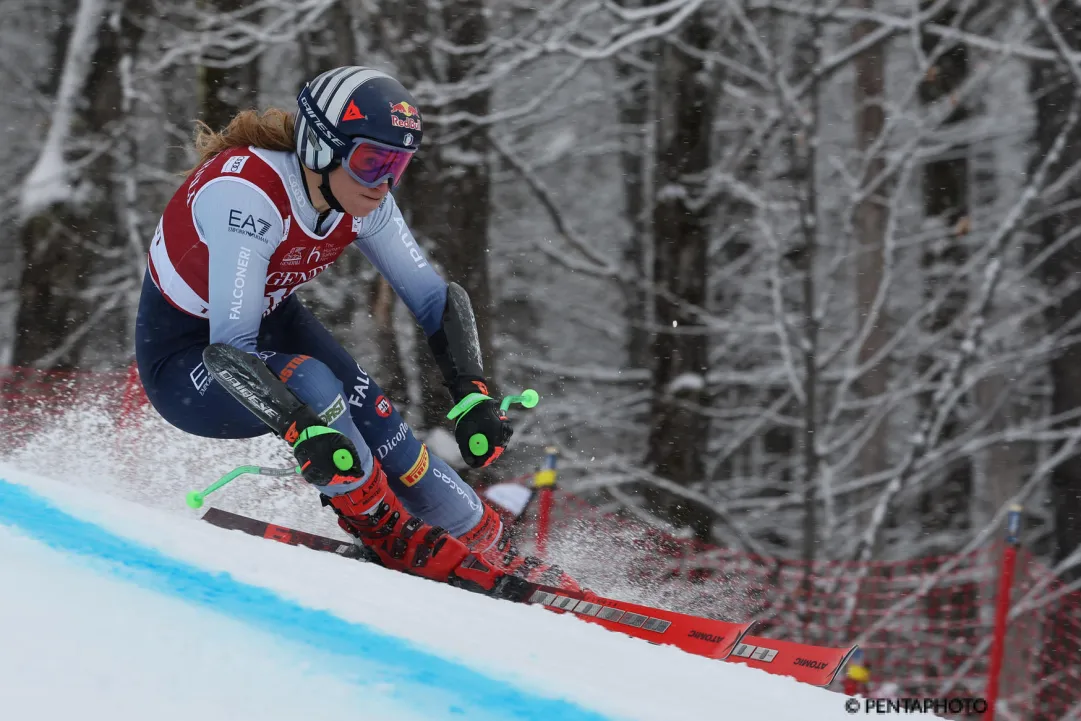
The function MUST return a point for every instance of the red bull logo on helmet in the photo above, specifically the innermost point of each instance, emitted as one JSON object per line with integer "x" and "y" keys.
{"x": 404, "y": 108}
{"x": 411, "y": 119}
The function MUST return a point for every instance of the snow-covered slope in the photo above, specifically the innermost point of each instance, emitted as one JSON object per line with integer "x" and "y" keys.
{"x": 111, "y": 610}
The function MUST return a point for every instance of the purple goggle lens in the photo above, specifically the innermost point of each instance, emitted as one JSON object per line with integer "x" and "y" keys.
{"x": 371, "y": 164}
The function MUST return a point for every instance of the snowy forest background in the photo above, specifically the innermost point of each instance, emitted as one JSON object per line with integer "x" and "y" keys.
{"x": 799, "y": 277}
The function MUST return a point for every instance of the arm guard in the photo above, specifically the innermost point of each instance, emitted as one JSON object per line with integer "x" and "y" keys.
{"x": 456, "y": 346}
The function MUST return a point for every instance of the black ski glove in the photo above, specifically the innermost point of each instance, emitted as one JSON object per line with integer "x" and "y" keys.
{"x": 481, "y": 429}
{"x": 327, "y": 457}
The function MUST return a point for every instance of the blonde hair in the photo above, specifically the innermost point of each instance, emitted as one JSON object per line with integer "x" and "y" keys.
{"x": 272, "y": 130}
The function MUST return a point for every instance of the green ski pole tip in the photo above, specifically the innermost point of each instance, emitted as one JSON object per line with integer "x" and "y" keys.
{"x": 195, "y": 499}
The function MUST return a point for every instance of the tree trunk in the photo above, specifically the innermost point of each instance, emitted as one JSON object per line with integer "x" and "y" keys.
{"x": 67, "y": 242}
{"x": 946, "y": 199}
{"x": 636, "y": 110}
{"x": 224, "y": 91}
{"x": 1054, "y": 88}
{"x": 677, "y": 439}
{"x": 870, "y": 219}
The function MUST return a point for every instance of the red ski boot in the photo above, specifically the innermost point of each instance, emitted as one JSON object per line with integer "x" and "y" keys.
{"x": 490, "y": 539}
{"x": 370, "y": 512}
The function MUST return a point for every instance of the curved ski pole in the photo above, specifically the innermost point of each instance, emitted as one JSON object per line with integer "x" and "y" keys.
{"x": 195, "y": 499}
{"x": 529, "y": 398}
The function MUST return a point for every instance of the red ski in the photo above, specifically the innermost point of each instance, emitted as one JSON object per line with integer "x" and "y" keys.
{"x": 236, "y": 522}
{"x": 816, "y": 665}
{"x": 722, "y": 640}
{"x": 693, "y": 634}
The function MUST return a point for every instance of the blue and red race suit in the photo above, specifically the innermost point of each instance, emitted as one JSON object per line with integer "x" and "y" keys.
{"x": 233, "y": 245}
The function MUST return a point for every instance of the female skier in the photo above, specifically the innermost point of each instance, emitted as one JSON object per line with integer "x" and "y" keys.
{"x": 275, "y": 199}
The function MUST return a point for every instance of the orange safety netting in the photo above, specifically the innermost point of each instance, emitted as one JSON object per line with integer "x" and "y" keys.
{"x": 30, "y": 397}
{"x": 925, "y": 625}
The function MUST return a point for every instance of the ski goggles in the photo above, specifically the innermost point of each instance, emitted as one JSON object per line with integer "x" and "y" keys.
{"x": 368, "y": 162}
{"x": 372, "y": 163}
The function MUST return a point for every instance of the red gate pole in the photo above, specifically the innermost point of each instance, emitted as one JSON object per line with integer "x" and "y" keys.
{"x": 1002, "y": 608}
{"x": 133, "y": 396}
{"x": 545, "y": 480}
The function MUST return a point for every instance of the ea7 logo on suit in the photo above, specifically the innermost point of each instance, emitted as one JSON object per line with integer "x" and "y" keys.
{"x": 245, "y": 224}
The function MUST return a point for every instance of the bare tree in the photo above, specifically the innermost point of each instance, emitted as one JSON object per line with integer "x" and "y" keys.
{"x": 1056, "y": 88}
{"x": 230, "y": 84}
{"x": 70, "y": 290}
{"x": 946, "y": 203}
{"x": 870, "y": 225}
{"x": 686, "y": 96}
{"x": 638, "y": 108}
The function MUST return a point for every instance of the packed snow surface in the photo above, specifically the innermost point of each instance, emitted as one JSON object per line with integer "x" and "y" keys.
{"x": 113, "y": 610}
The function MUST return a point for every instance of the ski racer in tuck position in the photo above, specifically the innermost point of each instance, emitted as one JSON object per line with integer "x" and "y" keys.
{"x": 276, "y": 198}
